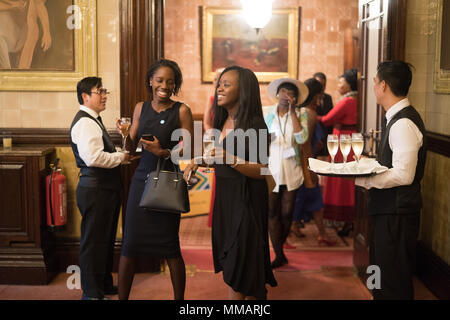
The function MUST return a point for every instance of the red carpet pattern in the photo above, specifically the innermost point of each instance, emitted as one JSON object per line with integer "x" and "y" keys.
{"x": 194, "y": 233}
{"x": 324, "y": 274}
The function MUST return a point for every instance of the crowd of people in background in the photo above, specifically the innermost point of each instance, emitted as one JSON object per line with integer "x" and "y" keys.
{"x": 249, "y": 207}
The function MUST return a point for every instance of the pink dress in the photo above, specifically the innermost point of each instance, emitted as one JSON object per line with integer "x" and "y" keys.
{"x": 339, "y": 194}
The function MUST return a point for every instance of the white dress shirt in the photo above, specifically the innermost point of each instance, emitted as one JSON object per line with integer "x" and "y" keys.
{"x": 88, "y": 137}
{"x": 285, "y": 169}
{"x": 405, "y": 140}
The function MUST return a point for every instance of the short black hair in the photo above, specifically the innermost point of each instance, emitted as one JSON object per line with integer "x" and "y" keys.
{"x": 351, "y": 77}
{"x": 314, "y": 88}
{"x": 85, "y": 86}
{"x": 289, "y": 86}
{"x": 165, "y": 63}
{"x": 397, "y": 74}
{"x": 320, "y": 75}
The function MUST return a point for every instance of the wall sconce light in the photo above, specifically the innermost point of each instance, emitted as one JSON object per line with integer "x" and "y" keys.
{"x": 257, "y": 13}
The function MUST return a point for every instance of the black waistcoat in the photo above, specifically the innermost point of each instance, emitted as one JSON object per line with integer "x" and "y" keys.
{"x": 93, "y": 176}
{"x": 402, "y": 199}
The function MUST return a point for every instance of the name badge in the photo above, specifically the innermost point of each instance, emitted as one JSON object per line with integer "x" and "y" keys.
{"x": 289, "y": 153}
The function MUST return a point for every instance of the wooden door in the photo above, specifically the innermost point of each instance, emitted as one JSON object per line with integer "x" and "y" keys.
{"x": 382, "y": 26}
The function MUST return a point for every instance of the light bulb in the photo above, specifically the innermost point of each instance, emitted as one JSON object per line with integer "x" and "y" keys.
{"x": 257, "y": 13}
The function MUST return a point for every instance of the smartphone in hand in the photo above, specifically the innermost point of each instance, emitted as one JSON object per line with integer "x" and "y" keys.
{"x": 148, "y": 136}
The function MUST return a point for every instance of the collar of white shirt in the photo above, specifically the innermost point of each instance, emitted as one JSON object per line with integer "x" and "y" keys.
{"x": 270, "y": 110}
{"x": 396, "y": 108}
{"x": 89, "y": 111}
{"x": 274, "y": 111}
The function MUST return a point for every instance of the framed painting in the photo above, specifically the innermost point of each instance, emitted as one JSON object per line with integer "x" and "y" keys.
{"x": 442, "y": 58}
{"x": 47, "y": 45}
{"x": 271, "y": 53}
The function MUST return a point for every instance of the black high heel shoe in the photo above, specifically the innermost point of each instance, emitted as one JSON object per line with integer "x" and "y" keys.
{"x": 346, "y": 229}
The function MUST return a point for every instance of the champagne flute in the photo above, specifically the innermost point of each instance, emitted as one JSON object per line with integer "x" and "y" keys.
{"x": 333, "y": 145}
{"x": 357, "y": 145}
{"x": 208, "y": 146}
{"x": 125, "y": 124}
{"x": 345, "y": 143}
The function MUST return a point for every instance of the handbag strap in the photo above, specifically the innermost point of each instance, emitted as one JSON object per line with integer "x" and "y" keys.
{"x": 158, "y": 167}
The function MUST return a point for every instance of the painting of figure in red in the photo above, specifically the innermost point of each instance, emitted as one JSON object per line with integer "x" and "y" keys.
{"x": 236, "y": 43}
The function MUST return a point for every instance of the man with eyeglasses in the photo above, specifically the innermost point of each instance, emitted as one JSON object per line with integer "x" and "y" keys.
{"x": 99, "y": 189}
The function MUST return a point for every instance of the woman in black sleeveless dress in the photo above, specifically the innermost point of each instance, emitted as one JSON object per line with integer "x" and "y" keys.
{"x": 151, "y": 233}
{"x": 240, "y": 218}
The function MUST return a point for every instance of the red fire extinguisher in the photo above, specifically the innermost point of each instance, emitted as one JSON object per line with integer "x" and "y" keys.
{"x": 56, "y": 194}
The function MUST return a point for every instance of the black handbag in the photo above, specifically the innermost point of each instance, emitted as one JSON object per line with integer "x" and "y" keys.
{"x": 165, "y": 191}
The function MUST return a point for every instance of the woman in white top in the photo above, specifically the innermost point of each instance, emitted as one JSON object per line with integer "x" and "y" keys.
{"x": 288, "y": 127}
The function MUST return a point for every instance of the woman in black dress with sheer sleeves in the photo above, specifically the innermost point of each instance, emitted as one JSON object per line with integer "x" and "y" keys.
{"x": 151, "y": 233}
{"x": 240, "y": 220}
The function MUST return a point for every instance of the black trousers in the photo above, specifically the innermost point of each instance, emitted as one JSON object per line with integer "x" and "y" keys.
{"x": 393, "y": 241}
{"x": 100, "y": 212}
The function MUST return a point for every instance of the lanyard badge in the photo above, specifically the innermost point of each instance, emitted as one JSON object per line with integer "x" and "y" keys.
{"x": 288, "y": 151}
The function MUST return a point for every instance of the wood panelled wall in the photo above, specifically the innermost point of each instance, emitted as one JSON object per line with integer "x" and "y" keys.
{"x": 142, "y": 39}
{"x": 141, "y": 43}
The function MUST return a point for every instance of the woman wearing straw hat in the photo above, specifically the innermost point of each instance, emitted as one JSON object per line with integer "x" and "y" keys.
{"x": 288, "y": 128}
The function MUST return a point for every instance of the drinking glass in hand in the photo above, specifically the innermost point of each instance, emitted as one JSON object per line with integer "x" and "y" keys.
{"x": 125, "y": 124}
{"x": 345, "y": 143}
{"x": 357, "y": 145}
{"x": 333, "y": 145}
{"x": 208, "y": 146}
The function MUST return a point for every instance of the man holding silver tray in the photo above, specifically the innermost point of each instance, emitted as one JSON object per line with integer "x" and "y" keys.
{"x": 395, "y": 197}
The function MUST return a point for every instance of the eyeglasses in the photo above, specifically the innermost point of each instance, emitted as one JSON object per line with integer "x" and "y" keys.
{"x": 101, "y": 91}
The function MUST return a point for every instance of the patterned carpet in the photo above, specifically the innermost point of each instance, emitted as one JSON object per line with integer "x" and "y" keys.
{"x": 195, "y": 234}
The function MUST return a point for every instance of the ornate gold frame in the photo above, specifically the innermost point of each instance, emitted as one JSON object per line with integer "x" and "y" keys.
{"x": 207, "y": 37}
{"x": 441, "y": 76}
{"x": 85, "y": 44}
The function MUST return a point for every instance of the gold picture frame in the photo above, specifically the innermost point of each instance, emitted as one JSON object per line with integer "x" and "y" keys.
{"x": 84, "y": 59}
{"x": 441, "y": 76}
{"x": 272, "y": 52}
